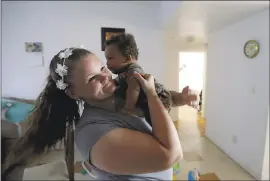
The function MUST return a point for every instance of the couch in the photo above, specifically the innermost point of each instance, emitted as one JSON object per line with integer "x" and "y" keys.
{"x": 9, "y": 136}
{"x": 14, "y": 123}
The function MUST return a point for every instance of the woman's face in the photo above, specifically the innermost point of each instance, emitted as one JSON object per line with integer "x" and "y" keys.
{"x": 91, "y": 80}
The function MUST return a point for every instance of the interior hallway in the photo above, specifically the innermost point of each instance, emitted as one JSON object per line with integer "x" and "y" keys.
{"x": 201, "y": 153}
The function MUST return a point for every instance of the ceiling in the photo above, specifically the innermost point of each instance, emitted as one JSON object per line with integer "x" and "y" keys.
{"x": 195, "y": 19}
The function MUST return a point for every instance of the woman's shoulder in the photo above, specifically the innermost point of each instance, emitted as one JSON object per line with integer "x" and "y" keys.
{"x": 101, "y": 117}
{"x": 96, "y": 122}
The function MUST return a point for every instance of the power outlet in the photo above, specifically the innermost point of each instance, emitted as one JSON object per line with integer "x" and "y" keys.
{"x": 234, "y": 139}
{"x": 253, "y": 90}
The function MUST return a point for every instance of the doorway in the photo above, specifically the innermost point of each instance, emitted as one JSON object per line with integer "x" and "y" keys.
{"x": 191, "y": 70}
{"x": 192, "y": 73}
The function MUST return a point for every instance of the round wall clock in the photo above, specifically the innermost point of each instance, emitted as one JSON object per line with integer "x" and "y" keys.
{"x": 251, "y": 48}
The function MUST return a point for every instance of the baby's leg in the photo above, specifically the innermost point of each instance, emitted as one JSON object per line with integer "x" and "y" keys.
{"x": 132, "y": 93}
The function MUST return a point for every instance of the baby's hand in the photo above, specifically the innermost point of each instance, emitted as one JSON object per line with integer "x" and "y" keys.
{"x": 147, "y": 83}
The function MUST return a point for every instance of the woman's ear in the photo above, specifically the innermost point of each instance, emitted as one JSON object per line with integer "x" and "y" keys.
{"x": 71, "y": 94}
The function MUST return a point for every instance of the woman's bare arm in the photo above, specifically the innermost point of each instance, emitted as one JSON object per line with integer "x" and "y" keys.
{"x": 124, "y": 151}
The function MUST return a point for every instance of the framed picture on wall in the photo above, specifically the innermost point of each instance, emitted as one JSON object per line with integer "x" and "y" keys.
{"x": 106, "y": 33}
{"x": 33, "y": 46}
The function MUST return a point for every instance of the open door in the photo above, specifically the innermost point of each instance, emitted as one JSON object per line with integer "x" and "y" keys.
{"x": 191, "y": 70}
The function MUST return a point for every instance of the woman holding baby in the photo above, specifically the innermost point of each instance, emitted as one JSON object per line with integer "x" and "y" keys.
{"x": 117, "y": 145}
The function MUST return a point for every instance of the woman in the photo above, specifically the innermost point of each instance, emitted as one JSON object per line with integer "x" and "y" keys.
{"x": 116, "y": 145}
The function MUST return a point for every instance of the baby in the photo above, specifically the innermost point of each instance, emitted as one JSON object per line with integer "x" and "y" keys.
{"x": 122, "y": 54}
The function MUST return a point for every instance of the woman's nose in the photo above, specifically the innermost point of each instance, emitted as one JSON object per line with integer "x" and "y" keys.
{"x": 104, "y": 77}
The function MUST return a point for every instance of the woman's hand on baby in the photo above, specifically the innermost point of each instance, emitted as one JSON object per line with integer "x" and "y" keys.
{"x": 147, "y": 83}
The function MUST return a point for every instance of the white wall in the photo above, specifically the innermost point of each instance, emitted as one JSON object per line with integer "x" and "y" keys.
{"x": 62, "y": 24}
{"x": 1, "y": 43}
{"x": 238, "y": 92}
{"x": 172, "y": 70}
{"x": 168, "y": 10}
{"x": 265, "y": 172}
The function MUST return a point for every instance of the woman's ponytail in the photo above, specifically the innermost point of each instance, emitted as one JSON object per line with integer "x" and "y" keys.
{"x": 48, "y": 122}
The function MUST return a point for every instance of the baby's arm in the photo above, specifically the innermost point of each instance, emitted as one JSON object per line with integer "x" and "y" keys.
{"x": 132, "y": 93}
{"x": 133, "y": 89}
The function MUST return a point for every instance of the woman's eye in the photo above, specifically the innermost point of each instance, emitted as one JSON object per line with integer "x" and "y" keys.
{"x": 92, "y": 78}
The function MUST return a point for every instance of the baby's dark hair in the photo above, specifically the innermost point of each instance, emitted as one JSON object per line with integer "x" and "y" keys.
{"x": 126, "y": 44}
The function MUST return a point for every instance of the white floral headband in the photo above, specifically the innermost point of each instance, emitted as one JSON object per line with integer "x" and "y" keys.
{"x": 63, "y": 69}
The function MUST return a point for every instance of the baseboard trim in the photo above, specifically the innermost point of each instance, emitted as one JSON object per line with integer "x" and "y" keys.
{"x": 229, "y": 156}
{"x": 176, "y": 124}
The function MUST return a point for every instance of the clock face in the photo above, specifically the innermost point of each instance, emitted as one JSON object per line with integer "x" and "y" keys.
{"x": 251, "y": 48}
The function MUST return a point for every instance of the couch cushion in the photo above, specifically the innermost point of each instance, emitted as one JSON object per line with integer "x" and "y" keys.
{"x": 5, "y": 105}
{"x": 15, "y": 111}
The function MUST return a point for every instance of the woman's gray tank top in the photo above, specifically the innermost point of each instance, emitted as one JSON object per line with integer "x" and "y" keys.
{"x": 96, "y": 122}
